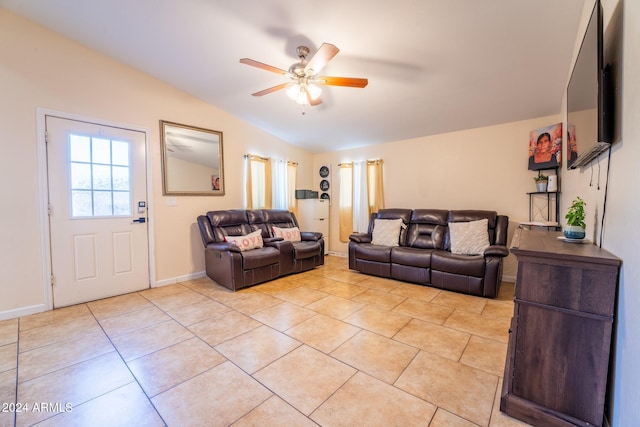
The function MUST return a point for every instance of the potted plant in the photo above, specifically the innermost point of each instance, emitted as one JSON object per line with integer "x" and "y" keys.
{"x": 541, "y": 181}
{"x": 575, "y": 220}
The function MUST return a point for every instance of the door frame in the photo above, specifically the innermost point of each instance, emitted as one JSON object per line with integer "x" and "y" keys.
{"x": 43, "y": 193}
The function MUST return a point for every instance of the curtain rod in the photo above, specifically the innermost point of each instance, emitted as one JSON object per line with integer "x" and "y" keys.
{"x": 369, "y": 162}
{"x": 253, "y": 156}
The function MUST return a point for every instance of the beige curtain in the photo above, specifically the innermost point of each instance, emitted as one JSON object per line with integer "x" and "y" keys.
{"x": 292, "y": 173}
{"x": 248, "y": 183}
{"x": 258, "y": 182}
{"x": 345, "y": 200}
{"x": 374, "y": 184}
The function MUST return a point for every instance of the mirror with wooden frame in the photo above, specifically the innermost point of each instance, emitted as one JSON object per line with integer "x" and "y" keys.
{"x": 192, "y": 163}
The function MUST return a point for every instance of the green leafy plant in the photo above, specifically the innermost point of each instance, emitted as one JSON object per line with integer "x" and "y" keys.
{"x": 540, "y": 177}
{"x": 575, "y": 215}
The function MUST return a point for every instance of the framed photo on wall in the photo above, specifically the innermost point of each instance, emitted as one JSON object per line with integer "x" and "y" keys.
{"x": 545, "y": 147}
{"x": 572, "y": 145}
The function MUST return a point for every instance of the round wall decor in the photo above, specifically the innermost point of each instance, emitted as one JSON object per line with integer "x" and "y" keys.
{"x": 324, "y": 171}
{"x": 324, "y": 185}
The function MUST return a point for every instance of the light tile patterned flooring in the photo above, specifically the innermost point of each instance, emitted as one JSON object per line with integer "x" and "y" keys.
{"x": 328, "y": 347}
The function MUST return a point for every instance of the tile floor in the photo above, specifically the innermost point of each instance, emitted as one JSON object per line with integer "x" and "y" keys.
{"x": 327, "y": 347}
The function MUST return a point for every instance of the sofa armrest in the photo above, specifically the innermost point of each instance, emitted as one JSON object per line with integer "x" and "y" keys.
{"x": 313, "y": 236}
{"x": 496, "y": 250}
{"x": 360, "y": 238}
{"x": 223, "y": 246}
{"x": 267, "y": 241}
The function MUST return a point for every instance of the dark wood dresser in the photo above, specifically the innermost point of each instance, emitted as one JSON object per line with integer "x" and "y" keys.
{"x": 560, "y": 338}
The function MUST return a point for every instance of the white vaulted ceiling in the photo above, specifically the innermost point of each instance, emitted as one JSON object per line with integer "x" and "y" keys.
{"x": 434, "y": 66}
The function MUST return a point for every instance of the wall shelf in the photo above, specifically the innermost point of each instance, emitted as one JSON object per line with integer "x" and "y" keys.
{"x": 541, "y": 201}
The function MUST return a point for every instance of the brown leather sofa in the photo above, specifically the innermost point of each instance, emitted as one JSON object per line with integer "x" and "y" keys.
{"x": 424, "y": 256}
{"x": 228, "y": 266}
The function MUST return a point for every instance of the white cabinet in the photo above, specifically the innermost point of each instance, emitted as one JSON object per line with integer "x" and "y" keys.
{"x": 313, "y": 215}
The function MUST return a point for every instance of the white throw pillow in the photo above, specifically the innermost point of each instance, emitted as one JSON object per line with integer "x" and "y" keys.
{"x": 386, "y": 232}
{"x": 291, "y": 234}
{"x": 250, "y": 241}
{"x": 469, "y": 238}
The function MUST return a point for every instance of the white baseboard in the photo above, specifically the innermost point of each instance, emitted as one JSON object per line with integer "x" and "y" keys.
{"x": 23, "y": 311}
{"x": 174, "y": 280}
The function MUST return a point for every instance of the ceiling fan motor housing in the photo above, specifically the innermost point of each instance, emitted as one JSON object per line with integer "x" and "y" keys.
{"x": 299, "y": 67}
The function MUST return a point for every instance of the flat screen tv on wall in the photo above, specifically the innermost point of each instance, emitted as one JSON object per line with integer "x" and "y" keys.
{"x": 589, "y": 98}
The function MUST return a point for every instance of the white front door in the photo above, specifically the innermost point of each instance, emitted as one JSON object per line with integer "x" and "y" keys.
{"x": 97, "y": 210}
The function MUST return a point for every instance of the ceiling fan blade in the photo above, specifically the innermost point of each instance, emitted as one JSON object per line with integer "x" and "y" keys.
{"x": 321, "y": 58}
{"x": 341, "y": 81}
{"x": 271, "y": 89}
{"x": 262, "y": 66}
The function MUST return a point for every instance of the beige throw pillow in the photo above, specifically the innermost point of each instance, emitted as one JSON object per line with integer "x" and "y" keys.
{"x": 469, "y": 238}
{"x": 386, "y": 232}
{"x": 250, "y": 241}
{"x": 291, "y": 234}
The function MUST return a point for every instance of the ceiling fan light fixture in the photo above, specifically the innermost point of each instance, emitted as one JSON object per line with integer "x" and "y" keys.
{"x": 293, "y": 91}
{"x": 298, "y": 92}
{"x": 314, "y": 91}
{"x": 302, "y": 96}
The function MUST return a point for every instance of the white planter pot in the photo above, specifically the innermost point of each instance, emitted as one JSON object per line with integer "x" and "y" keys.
{"x": 542, "y": 186}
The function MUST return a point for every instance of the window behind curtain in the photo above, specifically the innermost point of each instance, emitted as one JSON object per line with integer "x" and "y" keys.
{"x": 360, "y": 197}
{"x": 279, "y": 183}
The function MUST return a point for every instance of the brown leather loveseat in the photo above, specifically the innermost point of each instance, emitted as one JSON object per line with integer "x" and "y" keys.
{"x": 239, "y": 264}
{"x": 422, "y": 252}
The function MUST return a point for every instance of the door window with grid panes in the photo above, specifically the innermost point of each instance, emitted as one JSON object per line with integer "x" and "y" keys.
{"x": 100, "y": 177}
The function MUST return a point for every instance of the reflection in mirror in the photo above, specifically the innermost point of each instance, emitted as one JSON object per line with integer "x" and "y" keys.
{"x": 191, "y": 161}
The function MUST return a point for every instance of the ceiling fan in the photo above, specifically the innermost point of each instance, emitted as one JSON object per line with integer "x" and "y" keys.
{"x": 304, "y": 87}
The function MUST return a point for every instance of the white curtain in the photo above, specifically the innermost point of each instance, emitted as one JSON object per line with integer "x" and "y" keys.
{"x": 279, "y": 183}
{"x": 360, "y": 197}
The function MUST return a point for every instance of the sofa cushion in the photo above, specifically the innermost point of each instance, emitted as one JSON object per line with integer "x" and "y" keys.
{"x": 260, "y": 257}
{"x": 386, "y": 232}
{"x": 369, "y": 252}
{"x": 463, "y": 265}
{"x": 247, "y": 242}
{"x": 292, "y": 234}
{"x": 414, "y": 257}
{"x": 469, "y": 238}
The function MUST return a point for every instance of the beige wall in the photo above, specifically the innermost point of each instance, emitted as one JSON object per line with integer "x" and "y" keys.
{"x": 479, "y": 168}
{"x": 40, "y": 69}
{"x": 621, "y": 235}
{"x": 484, "y": 168}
